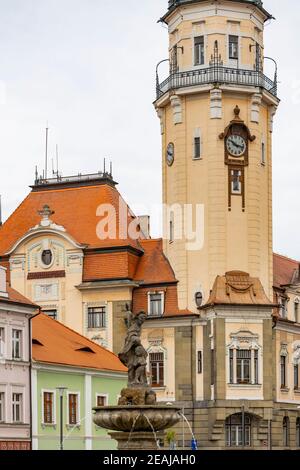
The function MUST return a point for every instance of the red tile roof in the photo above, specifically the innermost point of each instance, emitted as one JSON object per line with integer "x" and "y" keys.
{"x": 284, "y": 270}
{"x": 15, "y": 297}
{"x": 153, "y": 266}
{"x": 61, "y": 345}
{"x": 75, "y": 209}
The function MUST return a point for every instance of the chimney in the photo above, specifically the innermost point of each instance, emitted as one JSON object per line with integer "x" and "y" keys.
{"x": 144, "y": 222}
{"x": 3, "y": 289}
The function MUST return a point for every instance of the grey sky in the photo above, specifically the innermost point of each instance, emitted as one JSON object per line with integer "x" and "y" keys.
{"x": 88, "y": 67}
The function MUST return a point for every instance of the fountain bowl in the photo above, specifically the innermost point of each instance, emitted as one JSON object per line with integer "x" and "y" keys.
{"x": 140, "y": 418}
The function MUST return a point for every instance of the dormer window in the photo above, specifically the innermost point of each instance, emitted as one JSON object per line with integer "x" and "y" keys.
{"x": 47, "y": 257}
{"x": 155, "y": 307}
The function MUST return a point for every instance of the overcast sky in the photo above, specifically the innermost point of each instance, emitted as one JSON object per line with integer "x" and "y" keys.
{"x": 88, "y": 67}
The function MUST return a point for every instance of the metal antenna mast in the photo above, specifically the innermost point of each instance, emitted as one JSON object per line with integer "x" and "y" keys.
{"x": 46, "y": 153}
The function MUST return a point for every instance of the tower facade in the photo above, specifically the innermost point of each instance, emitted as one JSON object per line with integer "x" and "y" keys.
{"x": 216, "y": 110}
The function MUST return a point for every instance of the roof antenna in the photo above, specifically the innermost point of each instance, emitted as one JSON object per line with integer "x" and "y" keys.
{"x": 104, "y": 167}
{"x": 36, "y": 173}
{"x": 0, "y": 210}
{"x": 46, "y": 153}
{"x": 57, "y": 173}
{"x": 111, "y": 169}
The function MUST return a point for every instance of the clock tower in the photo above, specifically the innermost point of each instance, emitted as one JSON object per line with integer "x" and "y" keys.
{"x": 216, "y": 110}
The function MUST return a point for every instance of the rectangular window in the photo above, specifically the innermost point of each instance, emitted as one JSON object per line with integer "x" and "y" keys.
{"x": 199, "y": 50}
{"x": 48, "y": 401}
{"x": 231, "y": 366}
{"x": 17, "y": 407}
{"x": 200, "y": 366}
{"x": 171, "y": 230}
{"x": 296, "y": 311}
{"x": 16, "y": 344}
{"x": 101, "y": 400}
{"x": 2, "y": 407}
{"x": 96, "y": 317}
{"x": 284, "y": 304}
{"x": 197, "y": 147}
{"x": 283, "y": 371}
{"x": 2, "y": 339}
{"x": 73, "y": 409}
{"x": 256, "y": 381}
{"x": 236, "y": 182}
{"x": 51, "y": 313}
{"x": 243, "y": 366}
{"x": 296, "y": 376}
{"x": 263, "y": 153}
{"x": 156, "y": 361}
{"x": 212, "y": 366}
{"x": 156, "y": 305}
{"x": 233, "y": 47}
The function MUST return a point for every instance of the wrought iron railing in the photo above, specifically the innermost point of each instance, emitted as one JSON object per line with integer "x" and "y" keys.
{"x": 216, "y": 75}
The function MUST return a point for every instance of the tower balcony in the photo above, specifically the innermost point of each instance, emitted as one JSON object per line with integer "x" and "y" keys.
{"x": 216, "y": 75}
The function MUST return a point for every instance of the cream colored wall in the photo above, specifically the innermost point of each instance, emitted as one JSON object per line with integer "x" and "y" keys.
{"x": 246, "y": 392}
{"x": 199, "y": 377}
{"x": 71, "y": 303}
{"x": 233, "y": 240}
{"x": 290, "y": 339}
{"x": 162, "y": 340}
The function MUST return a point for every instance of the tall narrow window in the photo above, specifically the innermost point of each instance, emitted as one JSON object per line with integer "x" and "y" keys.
{"x": 171, "y": 227}
{"x": 286, "y": 431}
{"x": 212, "y": 366}
{"x": 263, "y": 153}
{"x": 200, "y": 362}
{"x": 296, "y": 311}
{"x": 156, "y": 361}
{"x": 233, "y": 47}
{"x": 17, "y": 407}
{"x": 96, "y": 317}
{"x": 298, "y": 432}
{"x": 73, "y": 409}
{"x": 199, "y": 50}
{"x": 296, "y": 376}
{"x": 197, "y": 148}
{"x": 2, "y": 407}
{"x": 236, "y": 182}
{"x": 231, "y": 366}
{"x": 284, "y": 307}
{"x": 243, "y": 369}
{"x": 283, "y": 371}
{"x": 2, "y": 339}
{"x": 256, "y": 367}
{"x": 156, "y": 304}
{"x": 16, "y": 344}
{"x": 48, "y": 402}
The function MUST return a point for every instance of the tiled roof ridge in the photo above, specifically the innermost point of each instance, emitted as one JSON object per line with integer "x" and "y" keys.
{"x": 92, "y": 343}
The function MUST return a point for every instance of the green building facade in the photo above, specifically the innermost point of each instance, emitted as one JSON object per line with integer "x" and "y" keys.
{"x": 84, "y": 389}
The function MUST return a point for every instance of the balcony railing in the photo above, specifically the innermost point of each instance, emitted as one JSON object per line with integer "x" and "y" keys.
{"x": 216, "y": 75}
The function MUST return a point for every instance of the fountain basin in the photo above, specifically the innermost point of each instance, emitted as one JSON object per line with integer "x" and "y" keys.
{"x": 137, "y": 418}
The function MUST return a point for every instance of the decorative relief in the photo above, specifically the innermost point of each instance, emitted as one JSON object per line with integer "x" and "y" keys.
{"x": 216, "y": 103}
{"x": 244, "y": 339}
{"x": 160, "y": 114}
{"x": 255, "y": 107}
{"x": 284, "y": 349}
{"x": 46, "y": 292}
{"x": 177, "y": 109}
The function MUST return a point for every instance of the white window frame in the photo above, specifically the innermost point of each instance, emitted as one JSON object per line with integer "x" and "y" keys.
{"x": 104, "y": 395}
{"x": 2, "y": 341}
{"x": 2, "y": 406}
{"x": 21, "y": 341}
{"x": 231, "y": 61}
{"x": 162, "y": 293}
{"x": 252, "y": 367}
{"x": 44, "y": 390}
{"x": 69, "y": 392}
{"x": 13, "y": 404}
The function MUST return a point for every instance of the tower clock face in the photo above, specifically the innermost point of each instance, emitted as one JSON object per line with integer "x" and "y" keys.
{"x": 170, "y": 154}
{"x": 236, "y": 145}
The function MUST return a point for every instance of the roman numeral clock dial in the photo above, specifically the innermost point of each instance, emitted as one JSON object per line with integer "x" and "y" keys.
{"x": 236, "y": 145}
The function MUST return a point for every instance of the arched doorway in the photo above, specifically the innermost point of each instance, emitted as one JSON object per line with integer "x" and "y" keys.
{"x": 238, "y": 433}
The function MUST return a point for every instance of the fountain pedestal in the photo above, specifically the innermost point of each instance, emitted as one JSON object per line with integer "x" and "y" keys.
{"x": 135, "y": 440}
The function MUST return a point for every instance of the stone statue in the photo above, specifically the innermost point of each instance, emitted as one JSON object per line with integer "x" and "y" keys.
{"x": 134, "y": 356}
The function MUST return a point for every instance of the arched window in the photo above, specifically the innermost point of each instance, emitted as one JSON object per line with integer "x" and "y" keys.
{"x": 286, "y": 431}
{"x": 238, "y": 434}
{"x": 298, "y": 432}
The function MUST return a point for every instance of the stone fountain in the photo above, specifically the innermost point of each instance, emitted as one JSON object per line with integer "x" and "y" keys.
{"x": 137, "y": 418}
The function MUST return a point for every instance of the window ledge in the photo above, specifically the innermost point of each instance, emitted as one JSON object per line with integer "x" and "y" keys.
{"x": 48, "y": 425}
{"x": 196, "y": 159}
{"x": 296, "y": 390}
{"x": 284, "y": 389}
{"x": 159, "y": 387}
{"x": 246, "y": 386}
{"x": 100, "y": 328}
{"x": 73, "y": 426}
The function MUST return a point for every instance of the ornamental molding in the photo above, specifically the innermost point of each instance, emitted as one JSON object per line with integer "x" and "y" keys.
{"x": 244, "y": 339}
